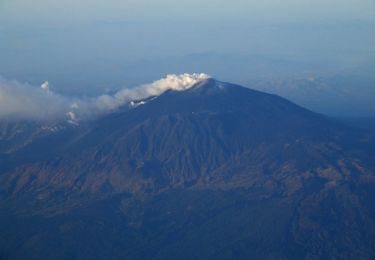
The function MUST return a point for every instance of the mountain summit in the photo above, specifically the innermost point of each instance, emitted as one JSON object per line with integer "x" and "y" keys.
{"x": 182, "y": 173}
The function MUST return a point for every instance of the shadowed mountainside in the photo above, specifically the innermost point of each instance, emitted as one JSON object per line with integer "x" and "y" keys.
{"x": 217, "y": 171}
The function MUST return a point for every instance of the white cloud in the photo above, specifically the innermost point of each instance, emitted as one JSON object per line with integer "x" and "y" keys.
{"x": 174, "y": 82}
{"x": 23, "y": 101}
{"x": 45, "y": 86}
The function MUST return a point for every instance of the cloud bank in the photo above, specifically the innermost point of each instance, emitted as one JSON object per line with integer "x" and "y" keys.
{"x": 23, "y": 101}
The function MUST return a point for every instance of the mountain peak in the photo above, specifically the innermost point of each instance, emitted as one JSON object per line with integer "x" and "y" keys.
{"x": 209, "y": 84}
{"x": 196, "y": 154}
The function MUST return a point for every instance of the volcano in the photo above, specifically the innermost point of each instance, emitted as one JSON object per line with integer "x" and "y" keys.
{"x": 216, "y": 171}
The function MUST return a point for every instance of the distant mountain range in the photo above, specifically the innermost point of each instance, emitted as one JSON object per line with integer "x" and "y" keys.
{"x": 345, "y": 94}
{"x": 217, "y": 171}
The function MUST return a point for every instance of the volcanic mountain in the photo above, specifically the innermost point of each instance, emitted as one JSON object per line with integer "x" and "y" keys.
{"x": 214, "y": 171}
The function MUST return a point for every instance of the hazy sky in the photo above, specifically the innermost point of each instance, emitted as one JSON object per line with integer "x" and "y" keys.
{"x": 101, "y": 44}
{"x": 51, "y": 11}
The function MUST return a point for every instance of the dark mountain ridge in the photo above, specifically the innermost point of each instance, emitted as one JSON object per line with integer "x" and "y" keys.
{"x": 168, "y": 174}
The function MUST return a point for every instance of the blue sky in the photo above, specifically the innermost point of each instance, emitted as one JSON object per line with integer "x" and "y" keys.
{"x": 50, "y": 11}
{"x": 88, "y": 45}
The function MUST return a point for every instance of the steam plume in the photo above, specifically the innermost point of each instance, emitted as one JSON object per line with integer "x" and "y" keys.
{"x": 22, "y": 101}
